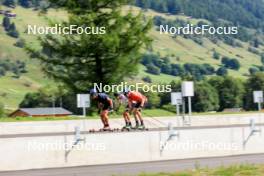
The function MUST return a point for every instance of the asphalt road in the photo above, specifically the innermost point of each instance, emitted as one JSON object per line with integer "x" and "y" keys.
{"x": 136, "y": 168}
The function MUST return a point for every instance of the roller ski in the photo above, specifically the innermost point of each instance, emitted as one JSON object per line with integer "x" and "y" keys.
{"x": 127, "y": 128}
{"x": 140, "y": 128}
{"x": 106, "y": 129}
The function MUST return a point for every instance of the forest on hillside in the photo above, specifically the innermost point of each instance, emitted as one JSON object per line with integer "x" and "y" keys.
{"x": 42, "y": 4}
{"x": 246, "y": 13}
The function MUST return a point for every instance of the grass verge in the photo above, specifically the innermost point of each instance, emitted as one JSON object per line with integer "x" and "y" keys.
{"x": 236, "y": 170}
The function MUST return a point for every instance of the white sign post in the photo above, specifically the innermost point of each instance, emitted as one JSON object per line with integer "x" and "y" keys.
{"x": 83, "y": 101}
{"x": 176, "y": 99}
{"x": 258, "y": 98}
{"x": 187, "y": 91}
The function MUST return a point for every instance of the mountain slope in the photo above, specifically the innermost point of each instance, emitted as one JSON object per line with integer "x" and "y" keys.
{"x": 180, "y": 50}
{"x": 12, "y": 90}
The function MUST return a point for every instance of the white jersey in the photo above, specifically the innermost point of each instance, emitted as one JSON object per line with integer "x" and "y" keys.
{"x": 123, "y": 99}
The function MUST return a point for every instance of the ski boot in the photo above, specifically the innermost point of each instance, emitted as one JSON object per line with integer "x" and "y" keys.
{"x": 135, "y": 127}
{"x": 126, "y": 128}
{"x": 106, "y": 128}
{"x": 141, "y": 127}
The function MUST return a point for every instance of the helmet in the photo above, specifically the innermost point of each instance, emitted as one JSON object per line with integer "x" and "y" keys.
{"x": 93, "y": 92}
{"x": 116, "y": 94}
{"x": 126, "y": 90}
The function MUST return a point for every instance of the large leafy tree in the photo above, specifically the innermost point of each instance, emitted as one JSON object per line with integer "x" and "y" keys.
{"x": 206, "y": 98}
{"x": 81, "y": 60}
{"x": 230, "y": 91}
{"x": 254, "y": 83}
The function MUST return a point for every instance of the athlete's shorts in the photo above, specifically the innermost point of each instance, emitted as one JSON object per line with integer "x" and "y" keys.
{"x": 134, "y": 105}
{"x": 106, "y": 106}
{"x": 137, "y": 105}
{"x": 127, "y": 108}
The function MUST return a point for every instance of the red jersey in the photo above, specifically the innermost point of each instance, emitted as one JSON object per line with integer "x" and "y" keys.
{"x": 133, "y": 96}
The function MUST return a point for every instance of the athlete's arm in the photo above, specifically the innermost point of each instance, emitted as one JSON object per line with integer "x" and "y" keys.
{"x": 99, "y": 105}
{"x": 110, "y": 102}
{"x": 142, "y": 103}
{"x": 129, "y": 104}
{"x": 144, "y": 99}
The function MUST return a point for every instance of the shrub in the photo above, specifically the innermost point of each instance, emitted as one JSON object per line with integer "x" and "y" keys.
{"x": 12, "y": 31}
{"x": 222, "y": 71}
{"x": 253, "y": 70}
{"x": 166, "y": 69}
{"x": 147, "y": 79}
{"x": 231, "y": 63}
{"x": 20, "y": 43}
{"x": 216, "y": 55}
{"x": 2, "y": 71}
{"x": 152, "y": 69}
{"x": 6, "y": 23}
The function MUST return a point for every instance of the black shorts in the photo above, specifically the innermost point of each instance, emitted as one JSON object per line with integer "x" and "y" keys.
{"x": 134, "y": 105}
{"x": 137, "y": 105}
{"x": 127, "y": 108}
{"x": 106, "y": 106}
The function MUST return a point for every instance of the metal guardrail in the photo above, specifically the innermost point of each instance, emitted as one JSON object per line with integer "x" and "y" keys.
{"x": 133, "y": 131}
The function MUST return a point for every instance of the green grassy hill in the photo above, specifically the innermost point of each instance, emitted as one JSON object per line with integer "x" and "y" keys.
{"x": 183, "y": 50}
{"x": 12, "y": 90}
{"x": 180, "y": 50}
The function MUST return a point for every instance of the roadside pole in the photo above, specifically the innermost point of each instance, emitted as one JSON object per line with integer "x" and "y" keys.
{"x": 83, "y": 101}
{"x": 176, "y": 99}
{"x": 183, "y": 109}
{"x": 178, "y": 109}
{"x": 187, "y": 91}
{"x": 259, "y": 106}
{"x": 258, "y": 98}
{"x": 53, "y": 105}
{"x": 84, "y": 111}
{"x": 190, "y": 105}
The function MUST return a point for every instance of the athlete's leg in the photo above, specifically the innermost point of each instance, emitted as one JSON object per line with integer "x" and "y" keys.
{"x": 139, "y": 115}
{"x": 134, "y": 111}
{"x": 138, "y": 107}
{"x": 127, "y": 117}
{"x": 104, "y": 117}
